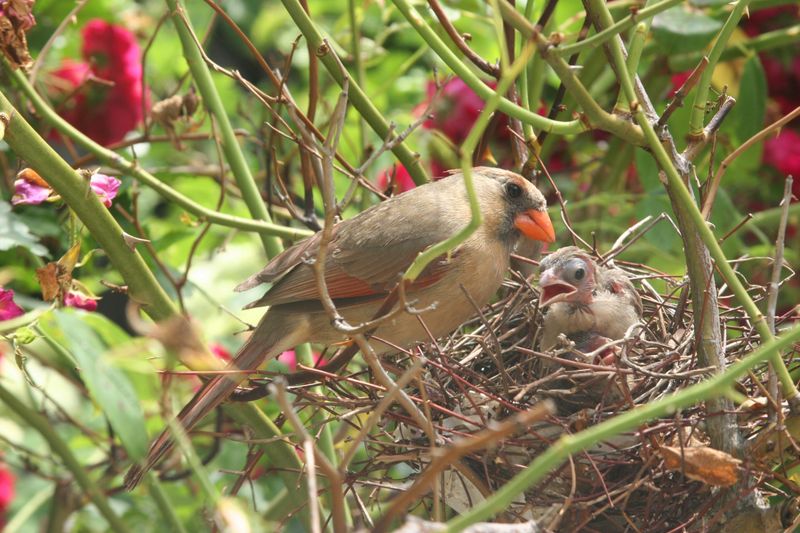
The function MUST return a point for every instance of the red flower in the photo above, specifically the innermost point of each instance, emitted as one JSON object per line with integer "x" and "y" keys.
{"x": 456, "y": 109}
{"x": 783, "y": 153}
{"x": 677, "y": 80}
{"x": 80, "y": 301}
{"x": 402, "y": 179}
{"x": 104, "y": 112}
{"x": 8, "y": 310}
{"x": 220, "y": 351}
{"x": 7, "y": 481}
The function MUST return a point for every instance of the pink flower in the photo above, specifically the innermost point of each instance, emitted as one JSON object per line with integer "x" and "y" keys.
{"x": 783, "y": 153}
{"x": 456, "y": 109}
{"x": 105, "y": 187}
{"x": 80, "y": 301}
{"x": 7, "y": 481}
{"x": 8, "y": 308}
{"x": 289, "y": 358}
{"x": 104, "y": 113}
{"x": 27, "y": 192}
{"x": 402, "y": 179}
{"x": 220, "y": 351}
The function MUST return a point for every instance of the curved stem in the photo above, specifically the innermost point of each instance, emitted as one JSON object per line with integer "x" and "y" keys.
{"x": 358, "y": 97}
{"x": 481, "y": 89}
{"x": 466, "y": 150}
{"x": 230, "y": 146}
{"x": 113, "y": 160}
{"x": 623, "y": 25}
{"x": 596, "y": 115}
{"x": 695, "y": 217}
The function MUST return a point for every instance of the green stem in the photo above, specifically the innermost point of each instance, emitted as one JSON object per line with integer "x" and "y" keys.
{"x": 166, "y": 507}
{"x": 634, "y": 55}
{"x": 698, "y": 115}
{"x": 760, "y": 43}
{"x": 230, "y": 145}
{"x": 481, "y": 89}
{"x": 111, "y": 159}
{"x": 358, "y": 65}
{"x": 142, "y": 285}
{"x": 569, "y": 445}
{"x": 358, "y": 98}
{"x": 466, "y": 150}
{"x": 74, "y": 190}
{"x": 684, "y": 197}
{"x": 615, "y": 29}
{"x": 60, "y": 448}
{"x": 596, "y": 115}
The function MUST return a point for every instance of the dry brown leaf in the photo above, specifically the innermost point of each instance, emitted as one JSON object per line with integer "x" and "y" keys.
{"x": 702, "y": 463}
{"x": 48, "y": 281}
{"x": 31, "y": 176}
{"x": 55, "y": 279}
{"x": 17, "y": 19}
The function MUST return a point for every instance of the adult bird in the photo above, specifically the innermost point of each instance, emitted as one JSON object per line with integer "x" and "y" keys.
{"x": 589, "y": 304}
{"x": 365, "y": 258}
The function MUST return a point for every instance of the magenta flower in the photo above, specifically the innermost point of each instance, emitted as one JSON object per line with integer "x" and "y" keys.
{"x": 29, "y": 193}
{"x": 8, "y": 308}
{"x": 80, "y": 301}
{"x": 105, "y": 187}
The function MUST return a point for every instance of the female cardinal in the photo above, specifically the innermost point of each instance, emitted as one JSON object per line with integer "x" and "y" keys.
{"x": 590, "y": 304}
{"x": 366, "y": 257}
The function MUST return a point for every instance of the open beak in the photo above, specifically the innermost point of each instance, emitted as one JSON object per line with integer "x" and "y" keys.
{"x": 553, "y": 289}
{"x": 535, "y": 225}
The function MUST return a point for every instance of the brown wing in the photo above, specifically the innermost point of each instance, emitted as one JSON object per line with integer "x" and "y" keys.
{"x": 365, "y": 257}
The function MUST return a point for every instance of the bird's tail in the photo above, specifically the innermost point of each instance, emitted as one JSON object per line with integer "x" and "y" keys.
{"x": 265, "y": 342}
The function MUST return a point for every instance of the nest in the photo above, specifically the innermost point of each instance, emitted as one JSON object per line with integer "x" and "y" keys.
{"x": 490, "y": 370}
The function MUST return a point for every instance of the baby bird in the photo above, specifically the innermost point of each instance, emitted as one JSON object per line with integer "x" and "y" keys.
{"x": 589, "y": 304}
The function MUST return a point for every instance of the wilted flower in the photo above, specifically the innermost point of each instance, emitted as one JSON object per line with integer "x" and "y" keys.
{"x": 80, "y": 301}
{"x": 27, "y": 192}
{"x": 8, "y": 308}
{"x": 103, "y": 112}
{"x": 105, "y": 187}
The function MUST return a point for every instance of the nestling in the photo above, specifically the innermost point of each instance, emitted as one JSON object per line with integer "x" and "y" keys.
{"x": 590, "y": 304}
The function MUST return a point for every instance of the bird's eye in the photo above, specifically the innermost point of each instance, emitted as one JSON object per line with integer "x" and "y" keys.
{"x": 513, "y": 190}
{"x": 579, "y": 274}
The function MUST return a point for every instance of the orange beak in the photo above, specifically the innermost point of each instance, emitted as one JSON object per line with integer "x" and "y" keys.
{"x": 535, "y": 225}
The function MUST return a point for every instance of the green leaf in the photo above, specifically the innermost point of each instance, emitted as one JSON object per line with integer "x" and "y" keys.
{"x": 14, "y": 232}
{"x": 681, "y": 29}
{"x": 108, "y": 386}
{"x": 751, "y": 102}
{"x": 647, "y": 170}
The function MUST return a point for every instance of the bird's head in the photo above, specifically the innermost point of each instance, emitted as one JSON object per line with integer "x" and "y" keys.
{"x": 515, "y": 205}
{"x": 567, "y": 275}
